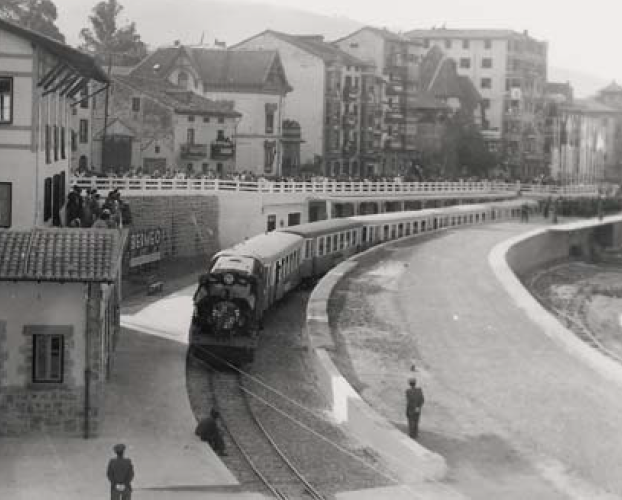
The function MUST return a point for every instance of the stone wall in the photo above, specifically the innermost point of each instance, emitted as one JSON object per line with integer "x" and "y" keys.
{"x": 189, "y": 223}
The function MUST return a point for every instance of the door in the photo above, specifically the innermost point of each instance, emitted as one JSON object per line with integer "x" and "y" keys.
{"x": 118, "y": 154}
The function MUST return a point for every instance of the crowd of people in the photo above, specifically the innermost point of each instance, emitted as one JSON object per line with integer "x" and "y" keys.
{"x": 90, "y": 210}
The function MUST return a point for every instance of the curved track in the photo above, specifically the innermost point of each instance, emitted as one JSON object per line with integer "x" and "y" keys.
{"x": 274, "y": 472}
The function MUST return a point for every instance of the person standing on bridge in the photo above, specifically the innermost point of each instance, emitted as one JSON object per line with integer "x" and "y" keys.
{"x": 209, "y": 430}
{"x": 414, "y": 403}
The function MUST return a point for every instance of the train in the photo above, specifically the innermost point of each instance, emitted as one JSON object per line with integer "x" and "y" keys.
{"x": 243, "y": 282}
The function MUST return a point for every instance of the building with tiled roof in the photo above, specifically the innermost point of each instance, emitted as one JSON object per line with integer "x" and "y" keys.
{"x": 59, "y": 318}
{"x": 328, "y": 100}
{"x": 40, "y": 81}
{"x": 154, "y": 125}
{"x": 254, "y": 81}
{"x": 509, "y": 70}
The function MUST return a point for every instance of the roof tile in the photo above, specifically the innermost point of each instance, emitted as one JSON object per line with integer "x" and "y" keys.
{"x": 60, "y": 254}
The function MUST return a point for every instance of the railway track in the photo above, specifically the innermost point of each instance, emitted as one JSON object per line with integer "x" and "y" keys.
{"x": 271, "y": 471}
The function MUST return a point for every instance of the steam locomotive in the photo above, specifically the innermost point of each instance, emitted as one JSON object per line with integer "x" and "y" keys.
{"x": 244, "y": 281}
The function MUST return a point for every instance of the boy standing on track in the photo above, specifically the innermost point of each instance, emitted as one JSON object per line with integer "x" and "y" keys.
{"x": 209, "y": 431}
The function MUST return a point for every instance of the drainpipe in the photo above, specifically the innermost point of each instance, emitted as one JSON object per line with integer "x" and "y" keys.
{"x": 87, "y": 366}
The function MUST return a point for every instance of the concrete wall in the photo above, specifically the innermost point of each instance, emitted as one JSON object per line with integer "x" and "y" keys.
{"x": 190, "y": 224}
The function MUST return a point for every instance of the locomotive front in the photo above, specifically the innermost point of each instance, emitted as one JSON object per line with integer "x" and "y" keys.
{"x": 225, "y": 320}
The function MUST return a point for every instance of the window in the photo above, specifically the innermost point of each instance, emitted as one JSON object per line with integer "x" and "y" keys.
{"x": 183, "y": 80}
{"x": 190, "y": 118}
{"x": 55, "y": 142}
{"x": 206, "y": 119}
{"x": 488, "y": 44}
{"x": 329, "y": 242}
{"x": 271, "y": 225}
{"x": 204, "y": 167}
{"x": 190, "y": 136}
{"x": 486, "y": 83}
{"x": 321, "y": 247}
{"x": 6, "y": 99}
{"x": 136, "y": 104}
{"x": 74, "y": 141}
{"x": 6, "y": 203}
{"x": 47, "y": 199}
{"x": 269, "y": 122}
{"x": 448, "y": 44}
{"x": 47, "y": 358}
{"x": 157, "y": 150}
{"x": 465, "y": 62}
{"x": 84, "y": 131}
{"x": 466, "y": 44}
{"x": 48, "y": 144}
{"x": 221, "y": 119}
{"x": 487, "y": 62}
{"x": 293, "y": 219}
{"x": 83, "y": 98}
{"x": 63, "y": 140}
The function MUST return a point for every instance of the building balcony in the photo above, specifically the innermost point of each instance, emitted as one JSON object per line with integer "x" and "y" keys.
{"x": 193, "y": 151}
{"x": 223, "y": 149}
{"x": 351, "y": 93}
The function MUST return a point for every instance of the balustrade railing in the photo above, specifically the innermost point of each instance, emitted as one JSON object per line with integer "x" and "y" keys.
{"x": 130, "y": 185}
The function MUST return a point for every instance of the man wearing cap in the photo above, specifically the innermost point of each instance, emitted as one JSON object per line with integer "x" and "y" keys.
{"x": 414, "y": 402}
{"x": 120, "y": 474}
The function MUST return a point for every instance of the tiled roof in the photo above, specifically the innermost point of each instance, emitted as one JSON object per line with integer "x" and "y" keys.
{"x": 470, "y": 94}
{"x": 60, "y": 254}
{"x": 182, "y": 101}
{"x": 222, "y": 69}
{"x": 382, "y": 32}
{"x": 612, "y": 88}
{"x": 315, "y": 44}
{"x": 464, "y": 33}
{"x": 83, "y": 63}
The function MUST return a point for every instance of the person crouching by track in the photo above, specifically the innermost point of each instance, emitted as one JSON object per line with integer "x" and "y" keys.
{"x": 414, "y": 403}
{"x": 209, "y": 430}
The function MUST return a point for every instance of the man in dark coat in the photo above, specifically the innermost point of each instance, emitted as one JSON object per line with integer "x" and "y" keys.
{"x": 414, "y": 403}
{"x": 120, "y": 474}
{"x": 209, "y": 431}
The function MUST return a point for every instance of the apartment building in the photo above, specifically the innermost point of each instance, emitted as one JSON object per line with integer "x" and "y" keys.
{"x": 254, "y": 81}
{"x": 332, "y": 100}
{"x": 154, "y": 126}
{"x": 509, "y": 70}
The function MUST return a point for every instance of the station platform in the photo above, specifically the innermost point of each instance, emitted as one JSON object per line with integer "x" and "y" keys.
{"x": 147, "y": 409}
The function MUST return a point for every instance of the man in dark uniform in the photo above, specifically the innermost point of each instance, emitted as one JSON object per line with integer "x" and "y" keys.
{"x": 414, "y": 402}
{"x": 120, "y": 474}
{"x": 209, "y": 431}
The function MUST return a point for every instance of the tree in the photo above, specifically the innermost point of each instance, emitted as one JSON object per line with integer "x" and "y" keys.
{"x": 37, "y": 15}
{"x": 107, "y": 39}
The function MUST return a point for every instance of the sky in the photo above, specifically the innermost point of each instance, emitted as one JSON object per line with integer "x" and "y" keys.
{"x": 583, "y": 36}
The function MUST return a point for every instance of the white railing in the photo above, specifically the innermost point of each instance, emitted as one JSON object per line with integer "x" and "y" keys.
{"x": 129, "y": 185}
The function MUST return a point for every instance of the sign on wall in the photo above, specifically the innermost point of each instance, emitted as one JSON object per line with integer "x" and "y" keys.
{"x": 144, "y": 246}
{"x": 5, "y": 204}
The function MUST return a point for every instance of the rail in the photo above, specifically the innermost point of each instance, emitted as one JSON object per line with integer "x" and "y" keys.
{"x": 151, "y": 185}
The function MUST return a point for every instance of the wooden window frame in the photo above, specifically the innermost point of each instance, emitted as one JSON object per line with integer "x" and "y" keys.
{"x": 11, "y": 107}
{"x": 38, "y": 338}
{"x": 10, "y": 204}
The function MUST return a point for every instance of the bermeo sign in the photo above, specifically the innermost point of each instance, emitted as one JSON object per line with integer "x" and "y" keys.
{"x": 145, "y": 246}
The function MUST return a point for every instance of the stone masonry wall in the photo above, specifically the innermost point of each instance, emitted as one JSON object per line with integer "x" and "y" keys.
{"x": 189, "y": 223}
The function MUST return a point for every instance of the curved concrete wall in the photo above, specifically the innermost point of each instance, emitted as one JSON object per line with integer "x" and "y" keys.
{"x": 519, "y": 255}
{"x": 408, "y": 459}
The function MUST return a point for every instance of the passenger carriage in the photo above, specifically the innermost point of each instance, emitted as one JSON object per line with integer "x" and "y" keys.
{"x": 326, "y": 244}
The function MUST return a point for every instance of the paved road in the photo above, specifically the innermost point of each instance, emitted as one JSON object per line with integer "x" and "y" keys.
{"x": 514, "y": 414}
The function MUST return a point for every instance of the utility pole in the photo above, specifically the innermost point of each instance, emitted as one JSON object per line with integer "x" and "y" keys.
{"x": 105, "y": 132}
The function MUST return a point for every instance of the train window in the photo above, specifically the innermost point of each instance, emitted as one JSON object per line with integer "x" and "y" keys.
{"x": 423, "y": 226}
{"x": 393, "y": 231}
{"x": 308, "y": 249}
{"x": 471, "y": 218}
{"x": 329, "y": 244}
{"x": 415, "y": 227}
{"x": 400, "y": 230}
{"x": 483, "y": 217}
{"x": 386, "y": 233}
{"x": 476, "y": 217}
{"x": 335, "y": 242}
{"x": 320, "y": 251}
{"x": 348, "y": 238}
{"x": 407, "y": 232}
{"x": 364, "y": 235}
{"x": 342, "y": 239}
{"x": 354, "y": 237}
